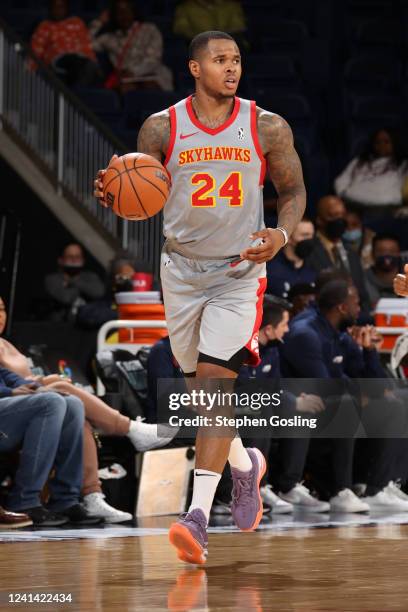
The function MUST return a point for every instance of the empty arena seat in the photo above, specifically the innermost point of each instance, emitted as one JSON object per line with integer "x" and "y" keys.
{"x": 138, "y": 105}
{"x": 99, "y": 100}
{"x": 104, "y": 103}
{"x": 380, "y": 32}
{"x": 374, "y": 107}
{"x": 264, "y": 73}
{"x": 293, "y": 106}
{"x": 372, "y": 72}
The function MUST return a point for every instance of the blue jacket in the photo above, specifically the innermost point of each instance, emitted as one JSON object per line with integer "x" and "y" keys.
{"x": 160, "y": 364}
{"x": 314, "y": 349}
{"x": 282, "y": 275}
{"x": 9, "y": 381}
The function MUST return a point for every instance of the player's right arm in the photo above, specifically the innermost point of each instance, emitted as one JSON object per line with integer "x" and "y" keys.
{"x": 153, "y": 139}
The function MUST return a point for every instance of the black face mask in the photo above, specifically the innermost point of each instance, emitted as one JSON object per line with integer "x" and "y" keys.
{"x": 304, "y": 248}
{"x": 386, "y": 263}
{"x": 72, "y": 270}
{"x": 335, "y": 229}
{"x": 122, "y": 283}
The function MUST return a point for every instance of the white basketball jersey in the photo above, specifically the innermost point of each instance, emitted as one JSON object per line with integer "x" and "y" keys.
{"x": 216, "y": 199}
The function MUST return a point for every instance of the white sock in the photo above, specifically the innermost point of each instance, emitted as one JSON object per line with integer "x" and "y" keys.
{"x": 205, "y": 485}
{"x": 238, "y": 457}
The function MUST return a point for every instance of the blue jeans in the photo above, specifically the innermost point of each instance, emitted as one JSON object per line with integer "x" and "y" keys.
{"x": 49, "y": 429}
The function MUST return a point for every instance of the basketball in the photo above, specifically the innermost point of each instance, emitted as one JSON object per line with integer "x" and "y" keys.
{"x": 136, "y": 186}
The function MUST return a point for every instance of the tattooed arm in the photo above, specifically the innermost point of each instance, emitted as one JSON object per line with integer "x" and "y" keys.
{"x": 153, "y": 139}
{"x": 276, "y": 140}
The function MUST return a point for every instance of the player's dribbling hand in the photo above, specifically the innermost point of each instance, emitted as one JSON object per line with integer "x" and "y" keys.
{"x": 401, "y": 283}
{"x": 272, "y": 241}
{"x": 98, "y": 183}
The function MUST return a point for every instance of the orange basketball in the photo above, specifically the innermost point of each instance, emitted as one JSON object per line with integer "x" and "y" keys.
{"x": 136, "y": 186}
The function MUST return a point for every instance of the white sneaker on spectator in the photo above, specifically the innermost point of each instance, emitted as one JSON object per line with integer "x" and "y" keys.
{"x": 386, "y": 500}
{"x": 278, "y": 505}
{"x": 96, "y": 505}
{"x": 300, "y": 497}
{"x": 347, "y": 501}
{"x": 395, "y": 488}
{"x": 144, "y": 436}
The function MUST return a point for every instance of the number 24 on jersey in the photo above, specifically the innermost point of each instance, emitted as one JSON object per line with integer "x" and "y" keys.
{"x": 231, "y": 189}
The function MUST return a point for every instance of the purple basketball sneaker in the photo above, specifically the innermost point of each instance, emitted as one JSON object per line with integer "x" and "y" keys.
{"x": 246, "y": 507}
{"x": 189, "y": 536}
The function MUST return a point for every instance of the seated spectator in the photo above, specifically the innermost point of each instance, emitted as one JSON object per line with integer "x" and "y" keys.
{"x": 288, "y": 267}
{"x": 72, "y": 286}
{"x": 97, "y": 415}
{"x": 301, "y": 296}
{"x": 328, "y": 351}
{"x": 288, "y": 473}
{"x": 387, "y": 263}
{"x": 26, "y": 413}
{"x": 134, "y": 47}
{"x": 64, "y": 43}
{"x": 124, "y": 272}
{"x": 374, "y": 179}
{"x": 358, "y": 237}
{"x": 195, "y": 16}
{"x": 328, "y": 248}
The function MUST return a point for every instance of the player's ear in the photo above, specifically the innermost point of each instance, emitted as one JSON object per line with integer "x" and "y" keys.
{"x": 194, "y": 68}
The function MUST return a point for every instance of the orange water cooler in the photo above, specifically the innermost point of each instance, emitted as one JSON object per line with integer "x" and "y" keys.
{"x": 140, "y": 306}
{"x": 391, "y": 320}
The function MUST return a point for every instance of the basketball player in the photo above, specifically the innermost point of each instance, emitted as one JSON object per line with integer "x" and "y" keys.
{"x": 401, "y": 283}
{"x": 215, "y": 147}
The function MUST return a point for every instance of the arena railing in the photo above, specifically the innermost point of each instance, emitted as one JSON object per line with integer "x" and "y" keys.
{"x": 67, "y": 142}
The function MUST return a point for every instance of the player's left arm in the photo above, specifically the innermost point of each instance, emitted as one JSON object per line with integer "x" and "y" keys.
{"x": 276, "y": 140}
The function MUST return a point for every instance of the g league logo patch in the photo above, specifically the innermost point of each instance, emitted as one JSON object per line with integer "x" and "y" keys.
{"x": 241, "y": 133}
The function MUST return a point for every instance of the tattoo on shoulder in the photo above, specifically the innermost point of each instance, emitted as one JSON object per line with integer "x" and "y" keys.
{"x": 273, "y": 131}
{"x": 154, "y": 135}
{"x": 285, "y": 169}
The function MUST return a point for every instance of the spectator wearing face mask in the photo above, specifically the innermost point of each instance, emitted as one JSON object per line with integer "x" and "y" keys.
{"x": 387, "y": 262}
{"x": 358, "y": 237}
{"x": 288, "y": 268}
{"x": 329, "y": 250}
{"x": 72, "y": 286}
{"x": 125, "y": 275}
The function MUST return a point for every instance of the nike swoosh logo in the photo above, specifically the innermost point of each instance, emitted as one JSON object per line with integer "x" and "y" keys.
{"x": 210, "y": 475}
{"x": 183, "y": 136}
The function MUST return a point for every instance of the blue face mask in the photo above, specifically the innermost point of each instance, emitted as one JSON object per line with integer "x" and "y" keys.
{"x": 353, "y": 235}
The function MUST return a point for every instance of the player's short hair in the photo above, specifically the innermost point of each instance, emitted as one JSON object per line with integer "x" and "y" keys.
{"x": 333, "y": 294}
{"x": 201, "y": 41}
{"x": 273, "y": 309}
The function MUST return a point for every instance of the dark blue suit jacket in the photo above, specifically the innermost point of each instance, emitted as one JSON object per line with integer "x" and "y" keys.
{"x": 314, "y": 349}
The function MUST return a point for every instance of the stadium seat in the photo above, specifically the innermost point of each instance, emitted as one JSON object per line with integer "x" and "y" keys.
{"x": 104, "y": 103}
{"x": 372, "y": 73}
{"x": 138, "y": 105}
{"x": 263, "y": 73}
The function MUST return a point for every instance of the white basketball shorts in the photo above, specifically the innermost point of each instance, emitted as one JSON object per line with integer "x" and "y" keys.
{"x": 212, "y": 307}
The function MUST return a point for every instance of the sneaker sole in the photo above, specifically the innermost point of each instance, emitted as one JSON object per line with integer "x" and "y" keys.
{"x": 15, "y": 526}
{"x": 261, "y": 472}
{"x": 188, "y": 549}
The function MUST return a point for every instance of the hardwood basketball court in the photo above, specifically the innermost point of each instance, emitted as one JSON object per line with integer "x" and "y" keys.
{"x": 357, "y": 566}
